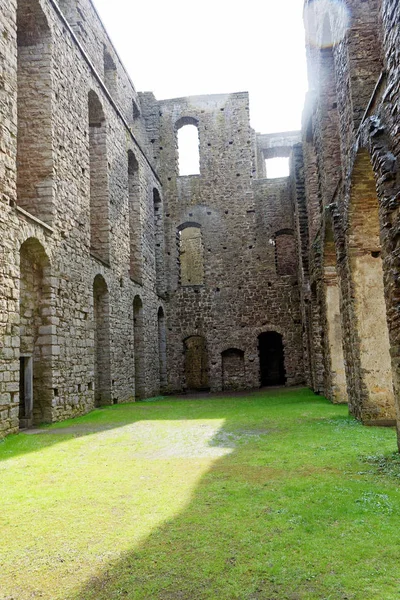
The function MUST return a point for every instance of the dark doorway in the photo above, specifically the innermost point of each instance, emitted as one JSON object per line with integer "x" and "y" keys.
{"x": 272, "y": 359}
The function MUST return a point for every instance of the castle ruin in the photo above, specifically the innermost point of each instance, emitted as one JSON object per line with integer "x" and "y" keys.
{"x": 121, "y": 278}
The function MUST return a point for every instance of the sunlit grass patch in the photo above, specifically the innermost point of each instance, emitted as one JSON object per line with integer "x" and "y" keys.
{"x": 272, "y": 495}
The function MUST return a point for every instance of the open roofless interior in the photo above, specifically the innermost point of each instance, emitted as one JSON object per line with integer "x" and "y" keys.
{"x": 162, "y": 247}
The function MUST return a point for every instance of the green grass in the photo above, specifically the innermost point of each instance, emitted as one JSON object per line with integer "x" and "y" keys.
{"x": 271, "y": 496}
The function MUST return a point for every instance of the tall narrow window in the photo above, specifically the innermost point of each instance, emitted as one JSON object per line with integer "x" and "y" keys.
{"x": 162, "y": 349}
{"x": 138, "y": 343}
{"x": 101, "y": 310}
{"x": 159, "y": 240}
{"x": 191, "y": 255}
{"x": 99, "y": 206}
{"x": 110, "y": 73}
{"x": 135, "y": 220}
{"x": 188, "y": 146}
{"x": 34, "y": 142}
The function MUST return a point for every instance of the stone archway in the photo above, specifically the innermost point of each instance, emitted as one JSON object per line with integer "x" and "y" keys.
{"x": 36, "y": 391}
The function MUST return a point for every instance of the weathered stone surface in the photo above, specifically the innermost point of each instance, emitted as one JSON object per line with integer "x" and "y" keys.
{"x": 119, "y": 278}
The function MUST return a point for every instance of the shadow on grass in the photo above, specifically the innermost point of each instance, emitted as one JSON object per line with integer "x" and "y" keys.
{"x": 250, "y": 532}
{"x": 271, "y": 520}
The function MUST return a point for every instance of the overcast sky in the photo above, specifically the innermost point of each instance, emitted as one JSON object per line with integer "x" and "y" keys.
{"x": 179, "y": 48}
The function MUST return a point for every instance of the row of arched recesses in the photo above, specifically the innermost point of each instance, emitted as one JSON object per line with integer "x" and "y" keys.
{"x": 136, "y": 227}
{"x": 36, "y": 391}
{"x": 102, "y": 383}
{"x": 271, "y": 357}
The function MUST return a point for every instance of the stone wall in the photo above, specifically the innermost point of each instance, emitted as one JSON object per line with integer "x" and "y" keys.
{"x": 353, "y": 221}
{"x": 243, "y": 227}
{"x": 48, "y": 210}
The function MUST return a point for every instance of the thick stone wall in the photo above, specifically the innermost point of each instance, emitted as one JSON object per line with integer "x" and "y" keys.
{"x": 60, "y": 329}
{"x": 239, "y": 218}
{"x": 361, "y": 202}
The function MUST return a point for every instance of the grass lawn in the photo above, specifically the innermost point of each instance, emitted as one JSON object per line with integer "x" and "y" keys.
{"x": 271, "y": 496}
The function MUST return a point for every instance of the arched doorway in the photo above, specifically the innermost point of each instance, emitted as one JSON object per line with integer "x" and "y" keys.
{"x": 196, "y": 363}
{"x": 272, "y": 359}
{"x": 36, "y": 394}
{"x": 101, "y": 309}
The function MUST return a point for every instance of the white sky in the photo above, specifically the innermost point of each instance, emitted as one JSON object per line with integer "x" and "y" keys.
{"x": 180, "y": 48}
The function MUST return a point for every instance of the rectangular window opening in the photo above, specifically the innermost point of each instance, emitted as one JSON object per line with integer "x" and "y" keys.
{"x": 277, "y": 167}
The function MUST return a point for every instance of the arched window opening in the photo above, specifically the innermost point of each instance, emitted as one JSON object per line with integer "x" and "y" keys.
{"x": 102, "y": 371}
{"x": 277, "y": 167}
{"x": 139, "y": 345}
{"x": 162, "y": 349}
{"x": 36, "y": 395}
{"x": 188, "y": 147}
{"x": 159, "y": 240}
{"x": 196, "y": 363}
{"x": 191, "y": 255}
{"x": 370, "y": 320}
{"x": 233, "y": 374}
{"x": 272, "y": 359}
{"x": 110, "y": 73}
{"x": 35, "y": 192}
{"x": 285, "y": 253}
{"x": 135, "y": 219}
{"x": 99, "y": 200}
{"x": 335, "y": 370}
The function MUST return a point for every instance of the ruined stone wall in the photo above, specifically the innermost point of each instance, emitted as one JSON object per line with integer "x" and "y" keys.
{"x": 66, "y": 335}
{"x": 238, "y": 217}
{"x": 96, "y": 225}
{"x": 363, "y": 208}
